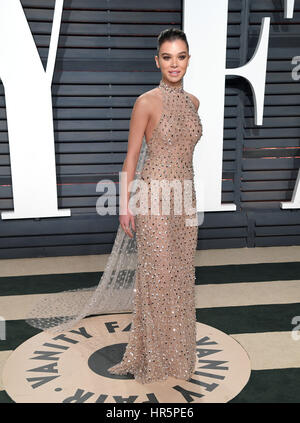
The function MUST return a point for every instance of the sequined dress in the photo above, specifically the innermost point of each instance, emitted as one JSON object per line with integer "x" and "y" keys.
{"x": 162, "y": 338}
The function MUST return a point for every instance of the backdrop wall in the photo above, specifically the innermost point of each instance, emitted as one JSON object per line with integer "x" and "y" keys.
{"x": 105, "y": 59}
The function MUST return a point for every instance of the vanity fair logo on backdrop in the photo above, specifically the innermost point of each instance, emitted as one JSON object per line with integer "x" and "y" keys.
{"x": 73, "y": 367}
{"x": 29, "y": 103}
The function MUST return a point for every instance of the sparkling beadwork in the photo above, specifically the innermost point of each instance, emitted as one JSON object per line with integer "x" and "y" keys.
{"x": 162, "y": 339}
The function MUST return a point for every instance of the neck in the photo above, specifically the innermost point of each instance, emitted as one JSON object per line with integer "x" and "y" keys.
{"x": 172, "y": 87}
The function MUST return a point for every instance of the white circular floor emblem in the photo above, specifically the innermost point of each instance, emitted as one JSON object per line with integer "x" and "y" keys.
{"x": 72, "y": 367}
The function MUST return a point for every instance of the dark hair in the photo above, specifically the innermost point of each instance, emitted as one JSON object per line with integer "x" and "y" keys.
{"x": 170, "y": 35}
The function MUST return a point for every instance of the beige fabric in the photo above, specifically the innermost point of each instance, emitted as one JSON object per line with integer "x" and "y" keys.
{"x": 162, "y": 340}
{"x": 60, "y": 311}
{"x": 151, "y": 274}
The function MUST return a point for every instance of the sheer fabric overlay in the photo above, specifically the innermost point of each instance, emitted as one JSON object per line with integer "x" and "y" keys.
{"x": 59, "y": 312}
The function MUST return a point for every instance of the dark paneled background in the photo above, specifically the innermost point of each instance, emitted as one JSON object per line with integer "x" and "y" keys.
{"x": 105, "y": 59}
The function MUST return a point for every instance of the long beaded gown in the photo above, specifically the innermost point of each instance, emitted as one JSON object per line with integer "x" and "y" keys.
{"x": 162, "y": 339}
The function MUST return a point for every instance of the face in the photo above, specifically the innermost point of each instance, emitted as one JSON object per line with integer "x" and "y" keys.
{"x": 173, "y": 60}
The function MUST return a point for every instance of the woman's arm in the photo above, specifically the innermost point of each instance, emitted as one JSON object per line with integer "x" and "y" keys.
{"x": 140, "y": 116}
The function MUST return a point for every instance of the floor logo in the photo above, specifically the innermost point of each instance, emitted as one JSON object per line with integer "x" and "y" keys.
{"x": 72, "y": 366}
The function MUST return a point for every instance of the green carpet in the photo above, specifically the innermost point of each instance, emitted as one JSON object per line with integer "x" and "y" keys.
{"x": 271, "y": 386}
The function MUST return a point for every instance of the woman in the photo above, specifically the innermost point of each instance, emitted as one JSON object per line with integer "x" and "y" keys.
{"x": 162, "y": 340}
{"x": 151, "y": 271}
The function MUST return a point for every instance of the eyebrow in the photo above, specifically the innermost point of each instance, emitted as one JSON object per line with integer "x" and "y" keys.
{"x": 178, "y": 53}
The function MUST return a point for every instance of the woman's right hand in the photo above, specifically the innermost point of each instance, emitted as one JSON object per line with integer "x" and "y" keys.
{"x": 125, "y": 220}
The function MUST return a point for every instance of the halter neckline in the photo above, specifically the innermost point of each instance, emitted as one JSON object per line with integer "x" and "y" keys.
{"x": 171, "y": 89}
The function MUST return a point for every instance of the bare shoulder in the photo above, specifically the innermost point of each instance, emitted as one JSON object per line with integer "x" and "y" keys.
{"x": 148, "y": 100}
{"x": 194, "y": 99}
